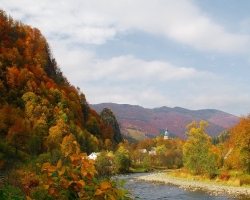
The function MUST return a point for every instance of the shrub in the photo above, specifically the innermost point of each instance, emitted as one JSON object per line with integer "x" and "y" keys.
{"x": 28, "y": 180}
{"x": 9, "y": 192}
{"x": 245, "y": 181}
{"x": 78, "y": 181}
{"x": 104, "y": 164}
{"x": 42, "y": 158}
{"x": 224, "y": 176}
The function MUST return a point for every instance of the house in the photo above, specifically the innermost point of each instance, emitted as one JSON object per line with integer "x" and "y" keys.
{"x": 143, "y": 150}
{"x": 93, "y": 155}
{"x": 152, "y": 151}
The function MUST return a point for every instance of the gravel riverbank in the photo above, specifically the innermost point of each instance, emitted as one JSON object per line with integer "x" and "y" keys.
{"x": 211, "y": 187}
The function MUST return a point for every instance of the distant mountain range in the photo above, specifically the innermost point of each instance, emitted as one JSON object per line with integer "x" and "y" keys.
{"x": 141, "y": 123}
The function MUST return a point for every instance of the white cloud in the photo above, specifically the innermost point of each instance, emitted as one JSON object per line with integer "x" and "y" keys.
{"x": 71, "y": 28}
{"x": 85, "y": 67}
{"x": 188, "y": 96}
{"x": 95, "y": 22}
{"x": 234, "y": 102}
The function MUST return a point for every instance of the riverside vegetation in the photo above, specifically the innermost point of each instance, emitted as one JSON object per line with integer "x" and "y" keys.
{"x": 47, "y": 129}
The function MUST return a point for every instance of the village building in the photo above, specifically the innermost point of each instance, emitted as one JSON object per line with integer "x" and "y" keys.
{"x": 143, "y": 151}
{"x": 166, "y": 134}
{"x": 93, "y": 155}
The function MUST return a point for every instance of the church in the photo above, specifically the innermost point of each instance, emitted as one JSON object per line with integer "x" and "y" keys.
{"x": 166, "y": 134}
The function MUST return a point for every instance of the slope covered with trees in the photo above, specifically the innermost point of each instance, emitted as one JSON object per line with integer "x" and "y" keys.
{"x": 38, "y": 106}
{"x": 47, "y": 128}
{"x": 109, "y": 118}
{"x": 141, "y": 123}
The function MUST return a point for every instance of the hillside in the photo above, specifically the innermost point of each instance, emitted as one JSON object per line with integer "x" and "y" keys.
{"x": 38, "y": 106}
{"x": 140, "y": 123}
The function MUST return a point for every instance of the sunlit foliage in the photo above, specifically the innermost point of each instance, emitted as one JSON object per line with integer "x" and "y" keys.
{"x": 197, "y": 154}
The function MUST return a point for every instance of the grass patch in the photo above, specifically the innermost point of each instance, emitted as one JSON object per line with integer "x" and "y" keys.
{"x": 138, "y": 170}
{"x": 229, "y": 178}
{"x": 161, "y": 168}
{"x": 182, "y": 173}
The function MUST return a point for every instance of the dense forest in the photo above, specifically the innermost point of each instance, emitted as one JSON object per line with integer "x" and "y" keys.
{"x": 38, "y": 105}
{"x": 47, "y": 130}
{"x": 42, "y": 115}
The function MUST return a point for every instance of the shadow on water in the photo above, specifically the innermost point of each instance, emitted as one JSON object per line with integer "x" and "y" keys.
{"x": 152, "y": 191}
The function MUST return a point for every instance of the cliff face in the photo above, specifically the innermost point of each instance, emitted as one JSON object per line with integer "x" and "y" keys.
{"x": 141, "y": 123}
{"x": 109, "y": 118}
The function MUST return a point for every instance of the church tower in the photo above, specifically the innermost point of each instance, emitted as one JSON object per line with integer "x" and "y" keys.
{"x": 166, "y": 134}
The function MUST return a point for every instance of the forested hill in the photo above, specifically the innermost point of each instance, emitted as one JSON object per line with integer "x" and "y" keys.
{"x": 139, "y": 122}
{"x": 38, "y": 106}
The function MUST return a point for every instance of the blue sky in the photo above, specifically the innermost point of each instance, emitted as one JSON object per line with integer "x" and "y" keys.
{"x": 188, "y": 53}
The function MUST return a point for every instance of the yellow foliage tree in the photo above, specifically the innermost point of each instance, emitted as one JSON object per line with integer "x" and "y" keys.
{"x": 197, "y": 154}
{"x": 56, "y": 134}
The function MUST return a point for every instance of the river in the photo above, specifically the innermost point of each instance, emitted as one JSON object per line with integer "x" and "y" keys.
{"x": 152, "y": 191}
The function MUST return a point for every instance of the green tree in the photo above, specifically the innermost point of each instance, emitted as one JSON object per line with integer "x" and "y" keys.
{"x": 145, "y": 162}
{"x": 196, "y": 151}
{"x": 104, "y": 163}
{"x": 160, "y": 154}
{"x": 92, "y": 126}
{"x": 122, "y": 160}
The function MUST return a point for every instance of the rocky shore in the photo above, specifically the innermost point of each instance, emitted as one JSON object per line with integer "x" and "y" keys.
{"x": 212, "y": 188}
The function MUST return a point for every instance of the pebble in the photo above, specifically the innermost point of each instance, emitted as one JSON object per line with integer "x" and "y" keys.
{"x": 212, "y": 188}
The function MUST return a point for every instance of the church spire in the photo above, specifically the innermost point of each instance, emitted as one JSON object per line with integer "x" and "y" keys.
{"x": 166, "y": 134}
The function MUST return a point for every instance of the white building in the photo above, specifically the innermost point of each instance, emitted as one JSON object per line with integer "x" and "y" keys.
{"x": 166, "y": 134}
{"x": 93, "y": 155}
{"x": 143, "y": 150}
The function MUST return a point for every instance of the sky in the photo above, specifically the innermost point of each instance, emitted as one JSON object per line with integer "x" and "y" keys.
{"x": 193, "y": 54}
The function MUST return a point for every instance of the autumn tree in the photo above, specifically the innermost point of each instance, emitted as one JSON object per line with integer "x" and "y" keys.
{"x": 78, "y": 179}
{"x": 105, "y": 164}
{"x": 56, "y": 134}
{"x": 92, "y": 126}
{"x": 122, "y": 160}
{"x": 240, "y": 145}
{"x": 18, "y": 135}
{"x": 161, "y": 152}
{"x": 196, "y": 151}
{"x": 8, "y": 116}
{"x": 108, "y": 145}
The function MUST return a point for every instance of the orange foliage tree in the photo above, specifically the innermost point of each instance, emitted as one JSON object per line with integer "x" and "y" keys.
{"x": 240, "y": 145}
{"x": 77, "y": 180}
{"x": 17, "y": 135}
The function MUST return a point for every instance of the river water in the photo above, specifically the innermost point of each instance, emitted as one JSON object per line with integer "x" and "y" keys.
{"x": 147, "y": 190}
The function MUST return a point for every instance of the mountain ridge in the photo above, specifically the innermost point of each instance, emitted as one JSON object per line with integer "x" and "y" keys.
{"x": 151, "y": 122}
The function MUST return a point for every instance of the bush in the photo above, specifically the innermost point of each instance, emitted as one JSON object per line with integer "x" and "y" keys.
{"x": 77, "y": 181}
{"x": 224, "y": 176}
{"x": 245, "y": 181}
{"x": 212, "y": 176}
{"x": 104, "y": 164}
{"x": 9, "y": 192}
{"x": 49, "y": 157}
{"x": 42, "y": 158}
